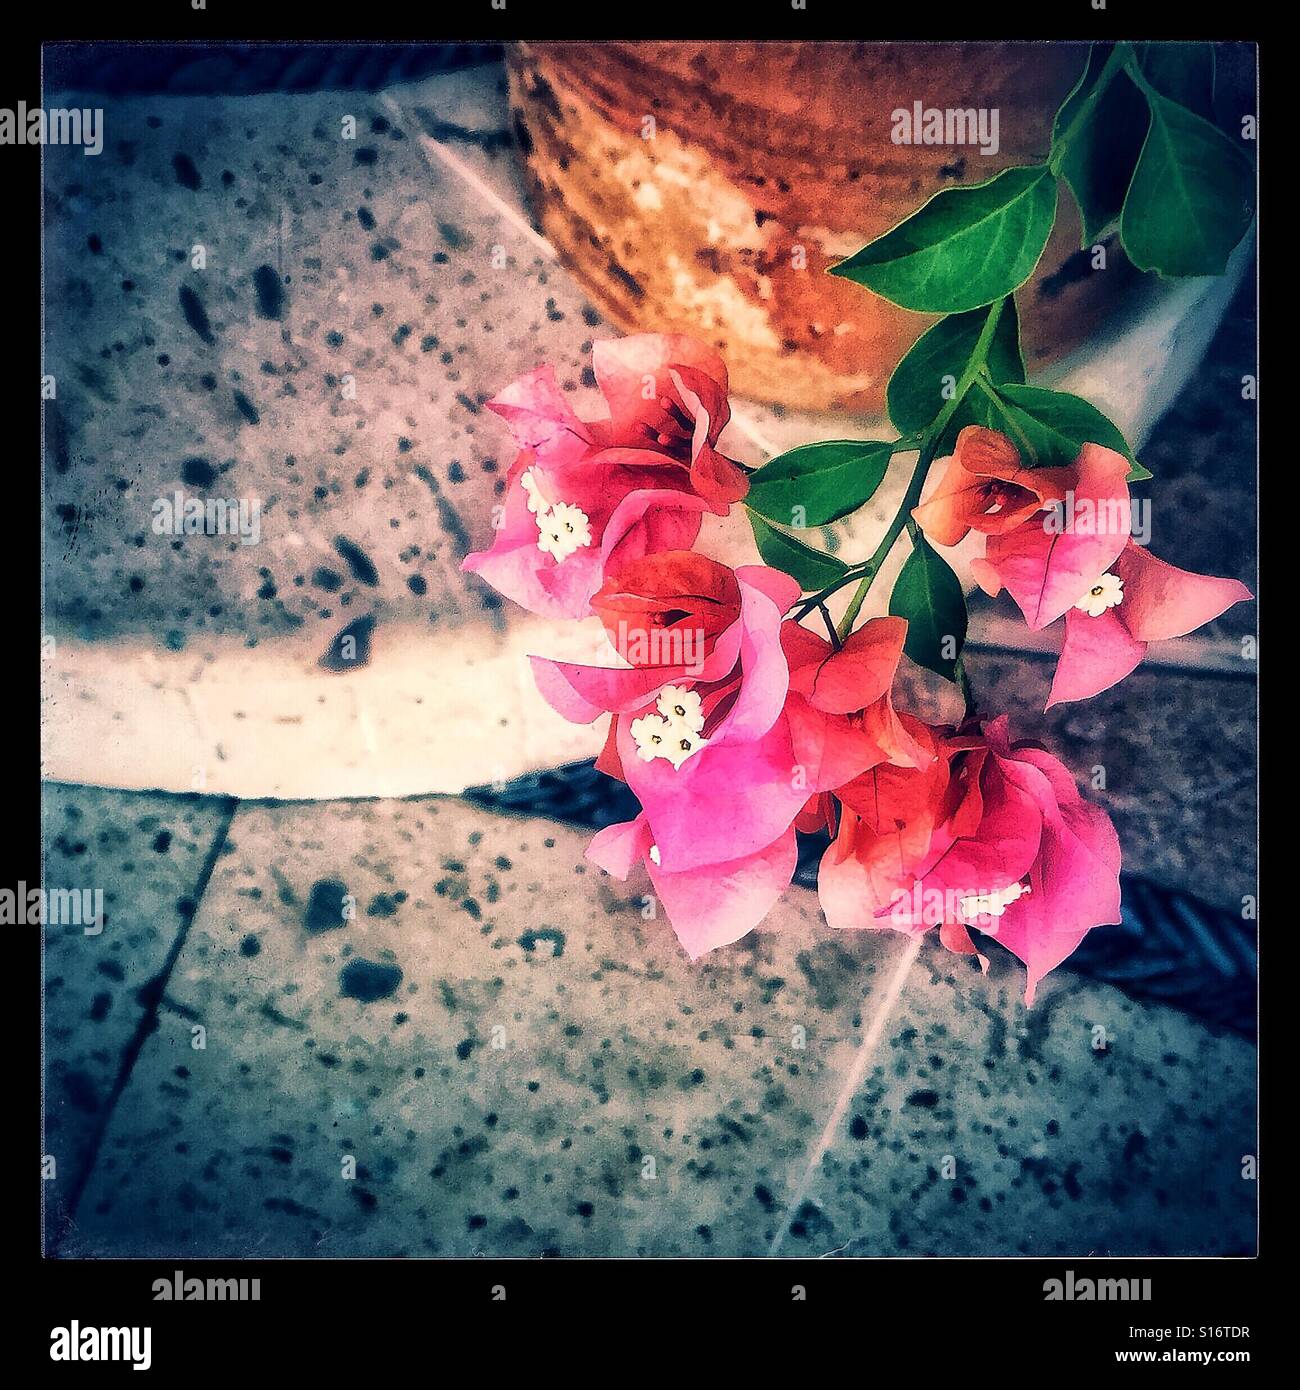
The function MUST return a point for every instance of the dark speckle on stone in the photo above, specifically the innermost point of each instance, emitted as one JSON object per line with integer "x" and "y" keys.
{"x": 197, "y": 472}
{"x": 417, "y": 584}
{"x": 1135, "y": 1144}
{"x": 81, "y": 1093}
{"x": 366, "y": 218}
{"x": 367, "y": 154}
{"x": 857, "y": 1127}
{"x": 927, "y": 1100}
{"x": 247, "y": 409}
{"x": 381, "y": 905}
{"x": 530, "y": 939}
{"x": 350, "y": 649}
{"x": 249, "y": 946}
{"x": 368, "y": 980}
{"x": 464, "y": 1048}
{"x": 325, "y": 906}
{"x": 186, "y": 174}
{"x": 360, "y": 564}
{"x": 270, "y": 292}
{"x": 162, "y": 841}
{"x": 195, "y": 314}
{"x": 329, "y": 580}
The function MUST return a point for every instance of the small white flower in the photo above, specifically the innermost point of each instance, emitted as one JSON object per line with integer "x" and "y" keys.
{"x": 1105, "y": 593}
{"x": 657, "y": 737}
{"x": 681, "y": 745}
{"x": 654, "y": 854}
{"x": 561, "y": 527}
{"x": 651, "y": 737}
{"x": 991, "y": 904}
{"x": 681, "y": 708}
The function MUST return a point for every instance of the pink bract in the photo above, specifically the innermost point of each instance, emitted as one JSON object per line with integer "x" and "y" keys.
{"x": 1159, "y": 601}
{"x": 667, "y": 400}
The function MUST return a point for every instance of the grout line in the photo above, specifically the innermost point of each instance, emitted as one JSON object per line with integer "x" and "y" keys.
{"x": 852, "y": 1081}
{"x": 148, "y": 1021}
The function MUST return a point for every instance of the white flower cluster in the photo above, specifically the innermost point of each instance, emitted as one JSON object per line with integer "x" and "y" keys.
{"x": 673, "y": 733}
{"x": 561, "y": 528}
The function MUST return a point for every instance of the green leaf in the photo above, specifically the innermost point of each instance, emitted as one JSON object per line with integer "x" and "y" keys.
{"x": 1050, "y": 427}
{"x": 1098, "y": 155}
{"x": 938, "y": 358}
{"x": 1191, "y": 198}
{"x": 813, "y": 569}
{"x": 929, "y": 595}
{"x": 965, "y": 248}
{"x": 1183, "y": 72}
{"x": 819, "y": 483}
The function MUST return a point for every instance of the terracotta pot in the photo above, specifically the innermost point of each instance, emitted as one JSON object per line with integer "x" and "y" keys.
{"x": 679, "y": 181}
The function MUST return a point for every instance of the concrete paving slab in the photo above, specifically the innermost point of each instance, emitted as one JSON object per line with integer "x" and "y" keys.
{"x": 1089, "y": 1126}
{"x": 145, "y": 855}
{"x": 517, "y": 1062}
{"x": 430, "y": 1030}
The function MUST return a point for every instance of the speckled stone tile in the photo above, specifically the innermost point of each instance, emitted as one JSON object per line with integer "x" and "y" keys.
{"x": 357, "y": 307}
{"x": 468, "y": 113}
{"x": 517, "y": 1062}
{"x": 146, "y": 855}
{"x": 1090, "y": 1125}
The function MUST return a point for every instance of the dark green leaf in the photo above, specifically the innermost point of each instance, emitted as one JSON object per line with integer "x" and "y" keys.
{"x": 1191, "y": 198}
{"x": 1050, "y": 427}
{"x": 819, "y": 483}
{"x": 813, "y": 569}
{"x": 1102, "y": 151}
{"x": 938, "y": 358}
{"x": 965, "y": 248}
{"x": 1183, "y": 72}
{"x": 928, "y": 594}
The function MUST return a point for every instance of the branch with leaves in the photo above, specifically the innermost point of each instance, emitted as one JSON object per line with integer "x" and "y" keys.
{"x": 732, "y": 720}
{"x": 1136, "y": 144}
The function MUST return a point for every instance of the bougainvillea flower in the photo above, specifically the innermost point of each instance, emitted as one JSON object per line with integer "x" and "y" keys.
{"x": 1140, "y": 600}
{"x": 889, "y": 818}
{"x": 658, "y": 609}
{"x": 1049, "y": 560}
{"x": 985, "y": 488}
{"x": 708, "y": 905}
{"x": 1019, "y": 854}
{"x": 730, "y": 747}
{"x": 667, "y": 392}
{"x": 667, "y": 401}
{"x": 852, "y": 688}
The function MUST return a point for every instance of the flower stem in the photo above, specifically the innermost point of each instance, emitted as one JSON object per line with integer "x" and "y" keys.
{"x": 1121, "y": 56}
{"x": 929, "y": 446}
